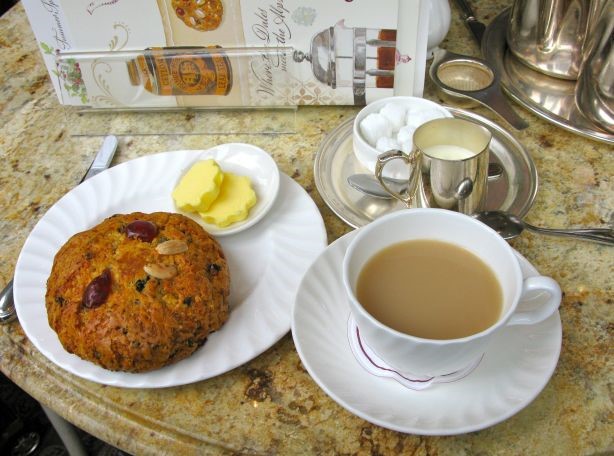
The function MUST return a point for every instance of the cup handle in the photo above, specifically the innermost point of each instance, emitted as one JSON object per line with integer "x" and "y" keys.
{"x": 546, "y": 306}
{"x": 412, "y": 183}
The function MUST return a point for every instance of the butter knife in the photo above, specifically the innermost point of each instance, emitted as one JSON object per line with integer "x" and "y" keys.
{"x": 101, "y": 162}
{"x": 476, "y": 27}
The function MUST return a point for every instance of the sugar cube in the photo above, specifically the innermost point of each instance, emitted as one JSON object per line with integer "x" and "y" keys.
{"x": 395, "y": 113}
{"x": 375, "y": 126}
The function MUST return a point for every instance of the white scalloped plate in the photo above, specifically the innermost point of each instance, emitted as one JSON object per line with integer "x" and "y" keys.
{"x": 266, "y": 264}
{"x": 514, "y": 370}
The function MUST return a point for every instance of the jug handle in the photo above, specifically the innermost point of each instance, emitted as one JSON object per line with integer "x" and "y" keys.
{"x": 413, "y": 160}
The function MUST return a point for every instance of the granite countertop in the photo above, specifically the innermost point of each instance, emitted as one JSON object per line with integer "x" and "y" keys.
{"x": 271, "y": 404}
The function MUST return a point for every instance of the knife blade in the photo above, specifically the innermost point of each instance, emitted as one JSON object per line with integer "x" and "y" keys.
{"x": 101, "y": 161}
{"x": 476, "y": 27}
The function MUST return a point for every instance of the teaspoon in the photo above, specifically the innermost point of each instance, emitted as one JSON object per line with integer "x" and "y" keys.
{"x": 509, "y": 226}
{"x": 368, "y": 184}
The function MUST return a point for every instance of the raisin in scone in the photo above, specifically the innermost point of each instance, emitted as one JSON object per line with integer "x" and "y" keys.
{"x": 138, "y": 291}
{"x": 202, "y": 15}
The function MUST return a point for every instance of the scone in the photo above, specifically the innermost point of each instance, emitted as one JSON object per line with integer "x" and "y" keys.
{"x": 202, "y": 15}
{"x": 138, "y": 291}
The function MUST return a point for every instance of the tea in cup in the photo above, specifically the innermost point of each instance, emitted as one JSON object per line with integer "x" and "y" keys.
{"x": 430, "y": 288}
{"x": 448, "y": 167}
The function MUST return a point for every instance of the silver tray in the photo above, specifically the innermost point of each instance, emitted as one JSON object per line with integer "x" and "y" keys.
{"x": 514, "y": 191}
{"x": 552, "y": 99}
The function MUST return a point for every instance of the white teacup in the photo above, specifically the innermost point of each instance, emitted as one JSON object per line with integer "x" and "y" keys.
{"x": 415, "y": 356}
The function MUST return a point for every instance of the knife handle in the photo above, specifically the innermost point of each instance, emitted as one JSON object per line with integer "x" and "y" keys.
{"x": 103, "y": 157}
{"x": 476, "y": 27}
{"x": 466, "y": 8}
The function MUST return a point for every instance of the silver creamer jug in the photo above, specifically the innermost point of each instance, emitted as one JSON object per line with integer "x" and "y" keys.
{"x": 550, "y": 35}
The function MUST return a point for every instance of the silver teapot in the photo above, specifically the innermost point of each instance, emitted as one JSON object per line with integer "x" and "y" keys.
{"x": 550, "y": 36}
{"x": 595, "y": 87}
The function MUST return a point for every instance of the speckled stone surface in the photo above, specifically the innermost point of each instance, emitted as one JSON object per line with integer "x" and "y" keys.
{"x": 271, "y": 405}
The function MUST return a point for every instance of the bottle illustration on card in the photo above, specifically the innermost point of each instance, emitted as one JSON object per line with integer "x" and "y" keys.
{"x": 182, "y": 71}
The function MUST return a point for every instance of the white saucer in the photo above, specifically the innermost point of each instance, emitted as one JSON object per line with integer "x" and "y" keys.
{"x": 512, "y": 373}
